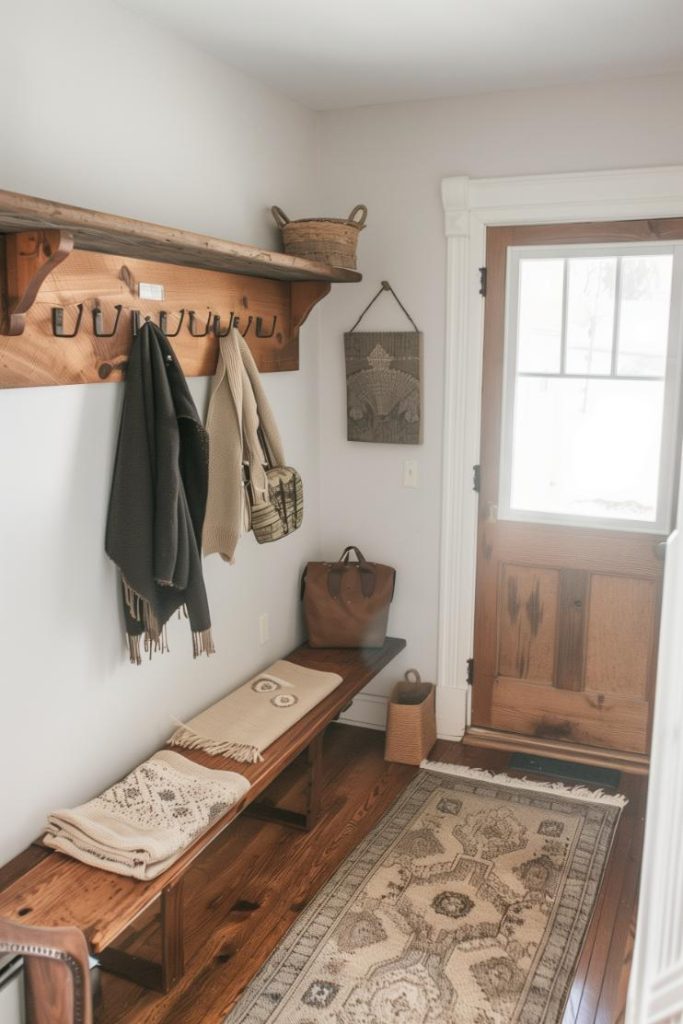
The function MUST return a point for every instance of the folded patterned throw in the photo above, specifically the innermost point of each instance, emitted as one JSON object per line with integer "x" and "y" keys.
{"x": 143, "y": 824}
{"x": 252, "y": 717}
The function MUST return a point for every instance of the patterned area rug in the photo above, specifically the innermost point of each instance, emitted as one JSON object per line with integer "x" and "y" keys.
{"x": 467, "y": 904}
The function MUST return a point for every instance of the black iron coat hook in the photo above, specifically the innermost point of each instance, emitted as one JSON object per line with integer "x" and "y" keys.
{"x": 260, "y": 333}
{"x": 217, "y": 326}
{"x": 236, "y": 323}
{"x": 163, "y": 323}
{"x": 58, "y": 322}
{"x": 97, "y": 322}
{"x": 199, "y": 334}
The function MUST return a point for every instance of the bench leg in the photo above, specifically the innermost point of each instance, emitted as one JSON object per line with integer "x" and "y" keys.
{"x": 161, "y": 977}
{"x": 172, "y": 947}
{"x": 314, "y": 760}
{"x": 295, "y": 819}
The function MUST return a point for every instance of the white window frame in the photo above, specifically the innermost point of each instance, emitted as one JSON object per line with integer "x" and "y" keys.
{"x": 668, "y": 454}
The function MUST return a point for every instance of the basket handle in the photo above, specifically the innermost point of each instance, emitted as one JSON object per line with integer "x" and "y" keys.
{"x": 363, "y": 211}
{"x": 416, "y": 677}
{"x": 279, "y": 216}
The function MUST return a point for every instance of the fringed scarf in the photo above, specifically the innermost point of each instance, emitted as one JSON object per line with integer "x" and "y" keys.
{"x": 158, "y": 499}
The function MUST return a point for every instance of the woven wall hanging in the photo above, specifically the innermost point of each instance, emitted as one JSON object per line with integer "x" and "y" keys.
{"x": 384, "y": 382}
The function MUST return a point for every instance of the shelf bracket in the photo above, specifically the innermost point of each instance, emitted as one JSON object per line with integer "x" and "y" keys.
{"x": 304, "y": 296}
{"x": 27, "y": 259}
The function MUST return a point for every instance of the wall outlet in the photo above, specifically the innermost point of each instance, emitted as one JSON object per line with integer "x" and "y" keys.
{"x": 410, "y": 473}
{"x": 263, "y": 628}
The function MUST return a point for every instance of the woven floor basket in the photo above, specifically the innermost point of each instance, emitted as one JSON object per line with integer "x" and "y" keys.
{"x": 324, "y": 240}
{"x": 411, "y": 720}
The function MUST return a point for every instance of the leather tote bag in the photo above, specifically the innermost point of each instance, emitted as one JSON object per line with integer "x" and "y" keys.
{"x": 346, "y": 603}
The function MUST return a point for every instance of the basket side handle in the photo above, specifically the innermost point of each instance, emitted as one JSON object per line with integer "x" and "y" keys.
{"x": 358, "y": 216}
{"x": 279, "y": 216}
{"x": 413, "y": 676}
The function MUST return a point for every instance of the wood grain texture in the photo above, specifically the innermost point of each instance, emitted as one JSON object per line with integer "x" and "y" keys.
{"x": 598, "y": 719}
{"x": 596, "y": 648}
{"x": 621, "y": 635}
{"x": 251, "y": 885}
{"x": 61, "y": 891}
{"x": 37, "y": 357}
{"x": 571, "y": 639}
{"x": 527, "y": 622}
{"x": 123, "y": 236}
{"x": 27, "y": 259}
{"x": 508, "y": 742}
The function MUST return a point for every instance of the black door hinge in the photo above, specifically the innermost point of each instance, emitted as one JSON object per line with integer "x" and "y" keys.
{"x": 476, "y": 478}
{"x": 482, "y": 281}
{"x": 470, "y": 671}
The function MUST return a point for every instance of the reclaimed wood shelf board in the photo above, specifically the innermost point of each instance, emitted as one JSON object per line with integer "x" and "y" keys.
{"x": 123, "y": 236}
{"x": 74, "y": 284}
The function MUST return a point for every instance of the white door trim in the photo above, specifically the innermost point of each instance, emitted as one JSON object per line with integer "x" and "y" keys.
{"x": 471, "y": 205}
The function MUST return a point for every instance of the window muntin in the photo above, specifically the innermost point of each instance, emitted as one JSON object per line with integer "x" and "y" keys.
{"x": 592, "y": 366}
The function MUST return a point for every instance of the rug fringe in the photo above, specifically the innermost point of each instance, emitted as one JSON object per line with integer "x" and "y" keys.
{"x": 597, "y": 796}
{"x": 186, "y": 737}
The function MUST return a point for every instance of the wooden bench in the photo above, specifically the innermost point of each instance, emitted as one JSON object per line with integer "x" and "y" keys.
{"x": 44, "y": 888}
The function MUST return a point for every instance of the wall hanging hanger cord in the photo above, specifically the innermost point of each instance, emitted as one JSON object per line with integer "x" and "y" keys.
{"x": 385, "y": 287}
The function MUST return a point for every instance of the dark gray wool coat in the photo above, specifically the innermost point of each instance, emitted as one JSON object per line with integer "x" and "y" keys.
{"x": 158, "y": 498}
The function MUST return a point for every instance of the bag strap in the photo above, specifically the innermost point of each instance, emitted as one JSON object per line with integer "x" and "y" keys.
{"x": 346, "y": 555}
{"x": 365, "y": 570}
{"x": 385, "y": 287}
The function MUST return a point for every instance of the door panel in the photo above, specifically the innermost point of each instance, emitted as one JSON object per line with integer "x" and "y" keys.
{"x": 527, "y": 623}
{"x": 621, "y": 634}
{"x": 566, "y": 616}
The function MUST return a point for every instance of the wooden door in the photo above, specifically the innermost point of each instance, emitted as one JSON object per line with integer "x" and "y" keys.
{"x": 575, "y": 398}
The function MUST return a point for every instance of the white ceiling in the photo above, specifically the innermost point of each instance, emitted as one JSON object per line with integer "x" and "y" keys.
{"x": 341, "y": 53}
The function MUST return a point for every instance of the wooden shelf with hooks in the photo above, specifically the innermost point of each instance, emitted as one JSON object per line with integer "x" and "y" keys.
{"x": 59, "y": 262}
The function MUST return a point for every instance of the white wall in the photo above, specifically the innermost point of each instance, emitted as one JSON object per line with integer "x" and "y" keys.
{"x": 102, "y": 111}
{"x": 393, "y": 158}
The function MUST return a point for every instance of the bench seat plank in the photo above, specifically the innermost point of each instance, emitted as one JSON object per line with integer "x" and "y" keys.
{"x": 59, "y": 891}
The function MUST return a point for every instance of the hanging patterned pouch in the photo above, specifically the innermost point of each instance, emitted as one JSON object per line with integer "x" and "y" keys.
{"x": 281, "y": 511}
{"x": 383, "y": 382}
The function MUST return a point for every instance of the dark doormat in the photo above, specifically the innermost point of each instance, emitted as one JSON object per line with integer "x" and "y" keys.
{"x": 566, "y": 770}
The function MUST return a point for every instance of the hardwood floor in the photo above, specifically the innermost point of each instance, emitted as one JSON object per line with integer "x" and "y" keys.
{"x": 248, "y": 888}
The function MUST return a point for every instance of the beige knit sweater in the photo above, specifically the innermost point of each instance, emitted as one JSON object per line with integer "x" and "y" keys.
{"x": 237, "y": 406}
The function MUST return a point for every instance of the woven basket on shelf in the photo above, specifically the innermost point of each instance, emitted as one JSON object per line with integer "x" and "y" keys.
{"x": 411, "y": 720}
{"x": 323, "y": 239}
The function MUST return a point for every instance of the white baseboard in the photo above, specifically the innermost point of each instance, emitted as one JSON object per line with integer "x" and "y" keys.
{"x": 370, "y": 711}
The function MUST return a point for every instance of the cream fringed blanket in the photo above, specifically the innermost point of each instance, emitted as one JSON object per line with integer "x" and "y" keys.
{"x": 141, "y": 825}
{"x": 252, "y": 717}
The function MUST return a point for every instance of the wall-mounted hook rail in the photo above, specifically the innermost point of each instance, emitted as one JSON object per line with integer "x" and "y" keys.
{"x": 58, "y": 322}
{"x": 217, "y": 326}
{"x": 260, "y": 333}
{"x": 97, "y": 322}
{"x": 190, "y": 326}
{"x": 242, "y": 330}
{"x": 163, "y": 323}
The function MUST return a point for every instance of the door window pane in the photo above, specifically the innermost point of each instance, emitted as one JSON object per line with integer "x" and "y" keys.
{"x": 590, "y": 314}
{"x": 591, "y": 389}
{"x": 644, "y": 315}
{"x": 585, "y": 447}
{"x": 540, "y": 315}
